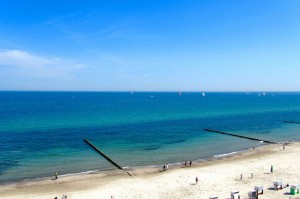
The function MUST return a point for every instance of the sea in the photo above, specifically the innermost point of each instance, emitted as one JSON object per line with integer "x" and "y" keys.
{"x": 43, "y": 132}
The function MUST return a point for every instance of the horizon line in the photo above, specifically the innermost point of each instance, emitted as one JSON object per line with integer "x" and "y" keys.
{"x": 144, "y": 91}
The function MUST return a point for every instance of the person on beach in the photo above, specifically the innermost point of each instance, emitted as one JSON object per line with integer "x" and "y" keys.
{"x": 190, "y": 163}
{"x": 241, "y": 177}
{"x": 55, "y": 176}
{"x": 185, "y": 163}
{"x": 165, "y": 167}
{"x": 197, "y": 180}
{"x": 283, "y": 147}
{"x": 271, "y": 168}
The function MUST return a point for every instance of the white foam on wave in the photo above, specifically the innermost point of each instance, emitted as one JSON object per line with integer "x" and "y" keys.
{"x": 84, "y": 172}
{"x": 226, "y": 154}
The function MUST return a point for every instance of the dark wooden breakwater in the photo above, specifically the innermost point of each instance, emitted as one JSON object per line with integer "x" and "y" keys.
{"x": 106, "y": 157}
{"x": 291, "y": 122}
{"x": 240, "y": 136}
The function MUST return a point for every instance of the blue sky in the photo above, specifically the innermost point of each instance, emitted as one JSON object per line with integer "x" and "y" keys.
{"x": 179, "y": 45}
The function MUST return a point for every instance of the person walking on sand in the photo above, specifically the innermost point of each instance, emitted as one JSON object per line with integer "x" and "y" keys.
{"x": 283, "y": 147}
{"x": 55, "y": 176}
{"x": 196, "y": 180}
{"x": 190, "y": 163}
{"x": 241, "y": 177}
{"x": 271, "y": 168}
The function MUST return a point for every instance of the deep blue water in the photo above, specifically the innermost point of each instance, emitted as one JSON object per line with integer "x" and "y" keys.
{"x": 42, "y": 132}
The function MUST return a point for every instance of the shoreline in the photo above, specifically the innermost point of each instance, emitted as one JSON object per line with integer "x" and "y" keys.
{"x": 133, "y": 168}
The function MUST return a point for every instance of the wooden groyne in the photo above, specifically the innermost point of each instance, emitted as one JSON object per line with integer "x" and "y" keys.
{"x": 292, "y": 122}
{"x": 240, "y": 136}
{"x": 106, "y": 157}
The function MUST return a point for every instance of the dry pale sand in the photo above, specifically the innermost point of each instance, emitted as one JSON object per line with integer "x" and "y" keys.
{"x": 216, "y": 178}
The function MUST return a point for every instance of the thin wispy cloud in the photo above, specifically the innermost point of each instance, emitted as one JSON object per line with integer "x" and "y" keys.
{"x": 93, "y": 25}
{"x": 23, "y": 63}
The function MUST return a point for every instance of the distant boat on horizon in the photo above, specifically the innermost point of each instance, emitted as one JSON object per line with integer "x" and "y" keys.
{"x": 203, "y": 94}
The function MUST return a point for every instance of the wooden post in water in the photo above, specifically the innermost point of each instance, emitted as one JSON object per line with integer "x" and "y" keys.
{"x": 240, "y": 136}
{"x": 106, "y": 157}
{"x": 291, "y": 122}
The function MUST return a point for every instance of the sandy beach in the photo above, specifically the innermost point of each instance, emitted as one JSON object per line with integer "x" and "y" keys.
{"x": 217, "y": 177}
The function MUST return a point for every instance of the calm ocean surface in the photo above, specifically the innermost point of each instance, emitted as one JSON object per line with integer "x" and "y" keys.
{"x": 42, "y": 132}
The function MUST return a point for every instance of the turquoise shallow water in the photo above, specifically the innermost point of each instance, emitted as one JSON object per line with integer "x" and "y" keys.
{"x": 42, "y": 132}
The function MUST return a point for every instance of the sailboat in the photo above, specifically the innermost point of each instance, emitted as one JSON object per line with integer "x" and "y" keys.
{"x": 203, "y": 94}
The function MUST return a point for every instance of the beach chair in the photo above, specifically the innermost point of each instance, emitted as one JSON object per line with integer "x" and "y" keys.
{"x": 294, "y": 189}
{"x": 277, "y": 185}
{"x": 253, "y": 194}
{"x": 259, "y": 189}
{"x": 235, "y": 195}
{"x": 213, "y": 197}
